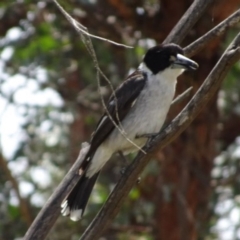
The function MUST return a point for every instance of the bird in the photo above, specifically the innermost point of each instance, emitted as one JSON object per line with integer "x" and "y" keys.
{"x": 139, "y": 107}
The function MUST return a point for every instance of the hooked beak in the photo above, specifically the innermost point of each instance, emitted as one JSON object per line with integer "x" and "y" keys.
{"x": 184, "y": 63}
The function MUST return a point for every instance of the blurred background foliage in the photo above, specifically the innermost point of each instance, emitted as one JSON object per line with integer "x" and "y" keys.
{"x": 49, "y": 104}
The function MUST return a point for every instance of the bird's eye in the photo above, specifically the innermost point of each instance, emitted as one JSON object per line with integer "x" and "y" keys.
{"x": 172, "y": 58}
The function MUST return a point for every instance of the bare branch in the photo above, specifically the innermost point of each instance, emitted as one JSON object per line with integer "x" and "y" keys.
{"x": 50, "y": 212}
{"x": 177, "y": 126}
{"x": 85, "y": 36}
{"x": 187, "y": 21}
{"x": 182, "y": 96}
{"x": 80, "y": 28}
{"x": 219, "y": 30}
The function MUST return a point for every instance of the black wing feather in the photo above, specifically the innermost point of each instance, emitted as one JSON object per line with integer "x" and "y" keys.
{"x": 125, "y": 95}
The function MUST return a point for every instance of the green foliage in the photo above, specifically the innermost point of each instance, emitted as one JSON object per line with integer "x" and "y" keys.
{"x": 14, "y": 212}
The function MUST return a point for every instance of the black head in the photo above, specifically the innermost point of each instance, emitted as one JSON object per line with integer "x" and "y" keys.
{"x": 160, "y": 57}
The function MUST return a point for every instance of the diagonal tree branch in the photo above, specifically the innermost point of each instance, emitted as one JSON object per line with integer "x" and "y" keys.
{"x": 178, "y": 125}
{"x": 182, "y": 96}
{"x": 217, "y": 31}
{"x": 187, "y": 21}
{"x": 50, "y": 212}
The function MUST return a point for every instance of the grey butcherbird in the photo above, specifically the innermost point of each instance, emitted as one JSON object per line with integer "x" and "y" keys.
{"x": 141, "y": 104}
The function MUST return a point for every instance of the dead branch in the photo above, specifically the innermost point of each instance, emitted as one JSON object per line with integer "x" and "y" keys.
{"x": 217, "y": 31}
{"x": 86, "y": 38}
{"x": 50, "y": 212}
{"x": 187, "y": 21}
{"x": 182, "y": 96}
{"x": 80, "y": 28}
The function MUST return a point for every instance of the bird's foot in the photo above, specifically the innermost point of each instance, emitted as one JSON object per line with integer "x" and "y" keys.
{"x": 123, "y": 171}
{"x": 147, "y": 135}
{"x": 121, "y": 155}
{"x": 124, "y": 161}
{"x": 138, "y": 180}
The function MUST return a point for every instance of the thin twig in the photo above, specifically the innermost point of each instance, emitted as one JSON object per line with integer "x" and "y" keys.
{"x": 117, "y": 123}
{"x": 85, "y": 36}
{"x": 187, "y": 21}
{"x": 110, "y": 209}
{"x": 84, "y": 30}
{"x": 182, "y": 96}
{"x": 217, "y": 31}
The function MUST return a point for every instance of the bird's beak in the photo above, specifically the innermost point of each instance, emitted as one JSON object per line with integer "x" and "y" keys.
{"x": 184, "y": 63}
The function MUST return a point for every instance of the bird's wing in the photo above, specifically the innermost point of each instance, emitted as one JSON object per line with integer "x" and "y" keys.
{"x": 118, "y": 107}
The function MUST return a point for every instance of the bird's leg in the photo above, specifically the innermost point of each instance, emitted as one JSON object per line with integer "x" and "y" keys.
{"x": 138, "y": 180}
{"x": 123, "y": 157}
{"x": 147, "y": 135}
{"x": 120, "y": 153}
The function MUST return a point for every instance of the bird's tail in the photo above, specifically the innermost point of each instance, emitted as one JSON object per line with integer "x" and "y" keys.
{"x": 75, "y": 203}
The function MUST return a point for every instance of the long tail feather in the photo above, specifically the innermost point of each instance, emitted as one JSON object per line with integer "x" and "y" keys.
{"x": 75, "y": 203}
